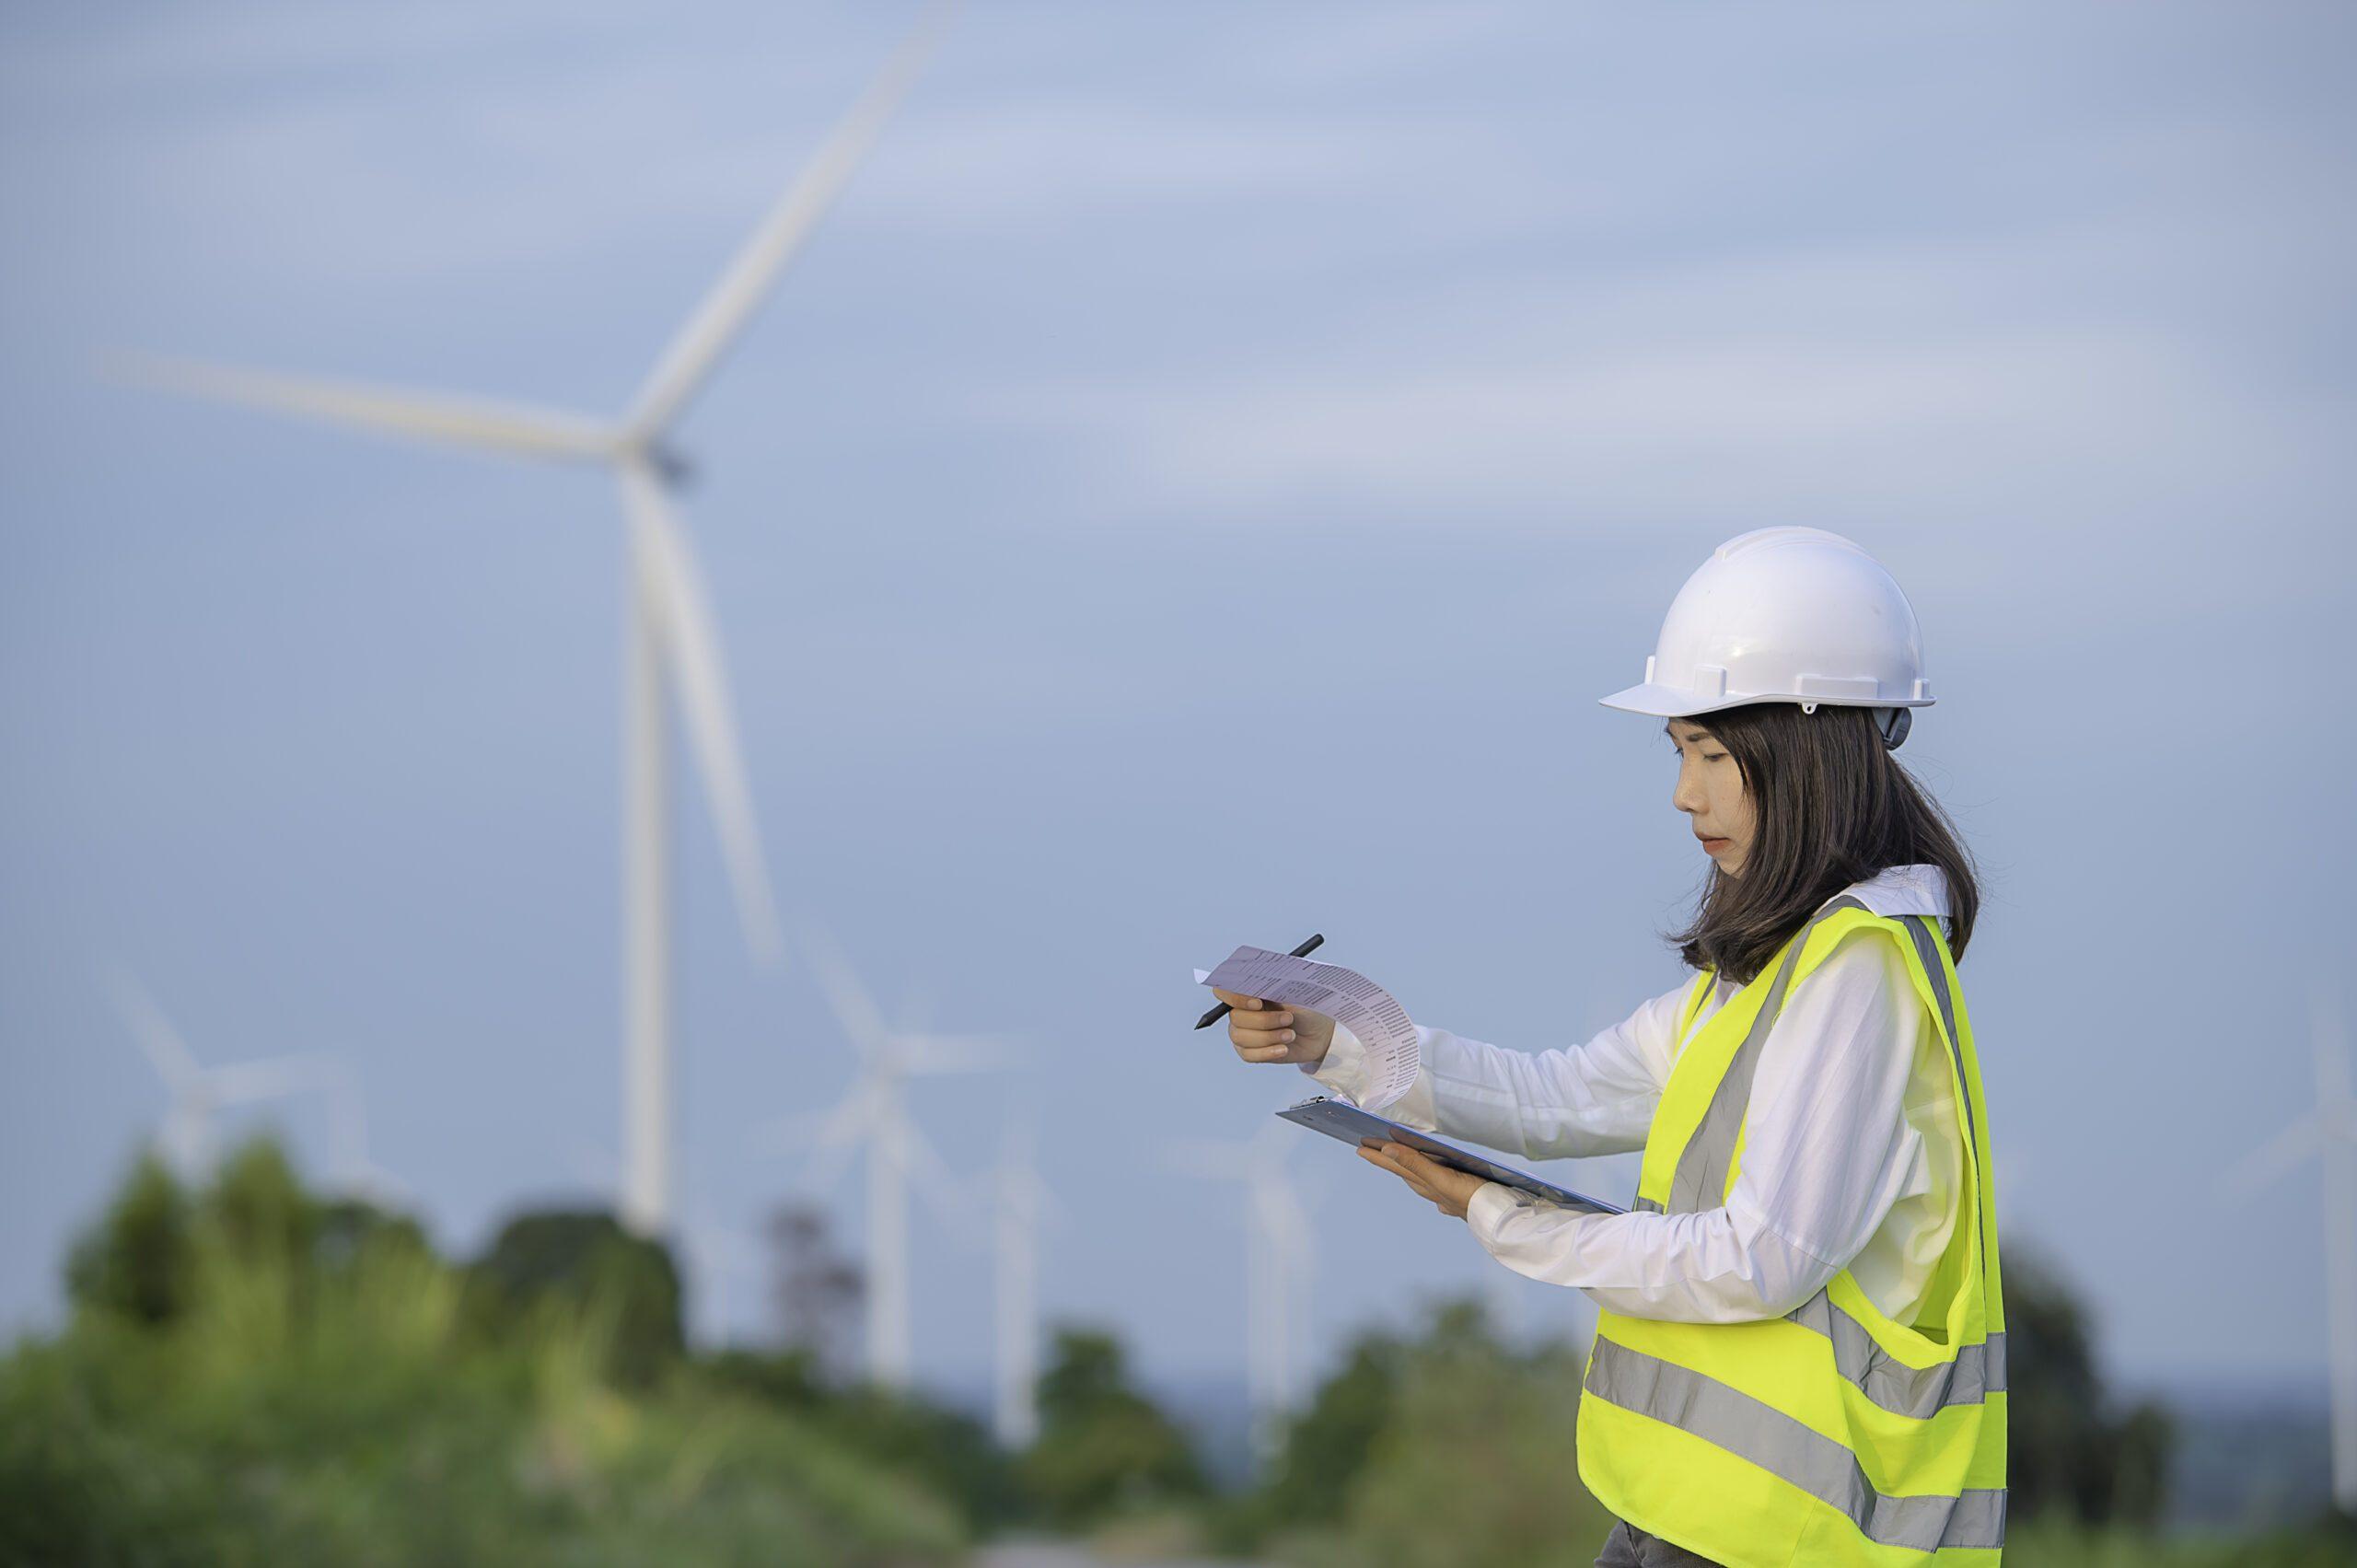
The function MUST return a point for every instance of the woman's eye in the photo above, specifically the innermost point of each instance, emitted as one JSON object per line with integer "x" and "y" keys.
{"x": 1714, "y": 756}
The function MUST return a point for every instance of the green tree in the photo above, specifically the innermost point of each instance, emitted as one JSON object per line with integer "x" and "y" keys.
{"x": 1104, "y": 1448}
{"x": 135, "y": 1261}
{"x": 257, "y": 1204}
{"x": 2070, "y": 1451}
{"x": 582, "y": 1261}
{"x": 901, "y": 1431}
{"x": 308, "y": 1391}
{"x": 1325, "y": 1449}
{"x": 1471, "y": 1459}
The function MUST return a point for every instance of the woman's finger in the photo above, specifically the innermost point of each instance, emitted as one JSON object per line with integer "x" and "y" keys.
{"x": 1239, "y": 1002}
{"x": 1380, "y": 1154}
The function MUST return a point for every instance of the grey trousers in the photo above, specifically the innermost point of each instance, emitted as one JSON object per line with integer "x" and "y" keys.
{"x": 1626, "y": 1548}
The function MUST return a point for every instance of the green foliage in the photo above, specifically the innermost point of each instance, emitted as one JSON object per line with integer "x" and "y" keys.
{"x": 1104, "y": 1448}
{"x": 1327, "y": 1447}
{"x": 254, "y": 1377}
{"x": 2069, "y": 1455}
{"x": 948, "y": 1451}
{"x": 136, "y": 1261}
{"x": 2057, "y": 1543}
{"x": 1446, "y": 1447}
{"x": 569, "y": 1259}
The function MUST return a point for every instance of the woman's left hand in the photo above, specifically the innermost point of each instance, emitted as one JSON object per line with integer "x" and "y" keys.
{"x": 1450, "y": 1191}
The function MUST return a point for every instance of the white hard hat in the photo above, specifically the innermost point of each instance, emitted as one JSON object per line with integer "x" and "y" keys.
{"x": 1786, "y": 615}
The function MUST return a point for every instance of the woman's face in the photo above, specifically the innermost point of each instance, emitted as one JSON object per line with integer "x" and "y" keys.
{"x": 1709, "y": 791}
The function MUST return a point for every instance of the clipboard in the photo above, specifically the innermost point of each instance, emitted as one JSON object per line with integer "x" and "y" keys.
{"x": 1338, "y": 1118}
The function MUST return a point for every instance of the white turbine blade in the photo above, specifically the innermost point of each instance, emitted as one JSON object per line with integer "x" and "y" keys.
{"x": 430, "y": 416}
{"x": 960, "y": 1053}
{"x": 381, "y": 1187}
{"x": 158, "y": 1041}
{"x": 849, "y": 1122}
{"x": 845, "y": 1126}
{"x": 685, "y": 616}
{"x": 2267, "y": 1164}
{"x": 693, "y": 356}
{"x": 854, "y": 1008}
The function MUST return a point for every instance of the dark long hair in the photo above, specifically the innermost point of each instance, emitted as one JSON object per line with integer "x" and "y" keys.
{"x": 1831, "y": 806}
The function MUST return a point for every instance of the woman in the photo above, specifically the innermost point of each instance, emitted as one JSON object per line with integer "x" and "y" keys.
{"x": 1799, "y": 1355}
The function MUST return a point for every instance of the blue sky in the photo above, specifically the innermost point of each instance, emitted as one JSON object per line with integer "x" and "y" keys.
{"x": 1191, "y": 492}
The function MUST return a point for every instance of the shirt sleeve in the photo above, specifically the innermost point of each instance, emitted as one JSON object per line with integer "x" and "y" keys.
{"x": 1826, "y": 1151}
{"x": 1595, "y": 1099}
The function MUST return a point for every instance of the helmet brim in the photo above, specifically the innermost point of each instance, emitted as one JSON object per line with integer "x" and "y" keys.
{"x": 1663, "y": 702}
{"x": 1652, "y": 698}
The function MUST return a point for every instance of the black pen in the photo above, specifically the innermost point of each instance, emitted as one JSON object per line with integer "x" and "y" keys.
{"x": 1216, "y": 1014}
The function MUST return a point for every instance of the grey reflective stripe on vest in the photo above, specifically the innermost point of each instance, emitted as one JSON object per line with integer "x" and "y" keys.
{"x": 1927, "y": 948}
{"x": 1701, "y": 1180}
{"x": 1977, "y": 1372}
{"x": 1763, "y": 1435}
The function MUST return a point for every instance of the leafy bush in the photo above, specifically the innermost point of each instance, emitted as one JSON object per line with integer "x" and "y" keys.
{"x": 1446, "y": 1447}
{"x": 2070, "y": 1453}
{"x": 253, "y": 1378}
{"x": 1104, "y": 1450}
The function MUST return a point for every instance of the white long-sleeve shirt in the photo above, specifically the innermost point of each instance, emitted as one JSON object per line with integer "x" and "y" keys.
{"x": 1853, "y": 1144}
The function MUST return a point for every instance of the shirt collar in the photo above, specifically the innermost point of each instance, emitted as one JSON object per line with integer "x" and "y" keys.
{"x": 1904, "y": 889}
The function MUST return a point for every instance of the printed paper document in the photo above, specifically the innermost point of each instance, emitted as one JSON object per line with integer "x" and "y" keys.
{"x": 1355, "y": 1002}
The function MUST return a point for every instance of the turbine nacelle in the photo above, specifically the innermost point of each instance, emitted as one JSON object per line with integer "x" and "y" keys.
{"x": 673, "y": 467}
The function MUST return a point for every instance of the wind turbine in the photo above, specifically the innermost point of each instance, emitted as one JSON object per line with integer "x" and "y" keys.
{"x": 2330, "y": 1132}
{"x": 671, "y": 633}
{"x": 197, "y": 1091}
{"x": 1020, "y": 1200}
{"x": 1278, "y": 1266}
{"x": 716, "y": 1254}
{"x": 875, "y": 1113}
{"x": 355, "y": 1170}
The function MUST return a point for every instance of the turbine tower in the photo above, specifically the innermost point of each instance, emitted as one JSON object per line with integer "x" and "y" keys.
{"x": 672, "y": 652}
{"x": 1277, "y": 1269}
{"x": 2330, "y": 1132}
{"x": 875, "y": 1113}
{"x": 1022, "y": 1201}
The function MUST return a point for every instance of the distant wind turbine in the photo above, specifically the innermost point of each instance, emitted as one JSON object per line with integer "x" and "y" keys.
{"x": 1021, "y": 1201}
{"x": 875, "y": 1113}
{"x": 355, "y": 1170}
{"x": 1278, "y": 1268}
{"x": 2330, "y": 1132}
{"x": 671, "y": 632}
{"x": 716, "y": 1254}
{"x": 197, "y": 1092}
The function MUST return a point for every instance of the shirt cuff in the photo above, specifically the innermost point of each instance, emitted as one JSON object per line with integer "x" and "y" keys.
{"x": 1345, "y": 1069}
{"x": 1487, "y": 1210}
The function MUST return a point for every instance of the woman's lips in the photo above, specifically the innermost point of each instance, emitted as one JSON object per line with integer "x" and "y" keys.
{"x": 1712, "y": 846}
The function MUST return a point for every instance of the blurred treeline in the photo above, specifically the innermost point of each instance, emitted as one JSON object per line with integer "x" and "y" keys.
{"x": 252, "y": 1374}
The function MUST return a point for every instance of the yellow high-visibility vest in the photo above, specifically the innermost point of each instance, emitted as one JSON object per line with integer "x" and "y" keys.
{"x": 1831, "y": 1434}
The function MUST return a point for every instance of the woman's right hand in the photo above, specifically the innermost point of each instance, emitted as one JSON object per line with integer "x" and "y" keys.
{"x": 1271, "y": 1031}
